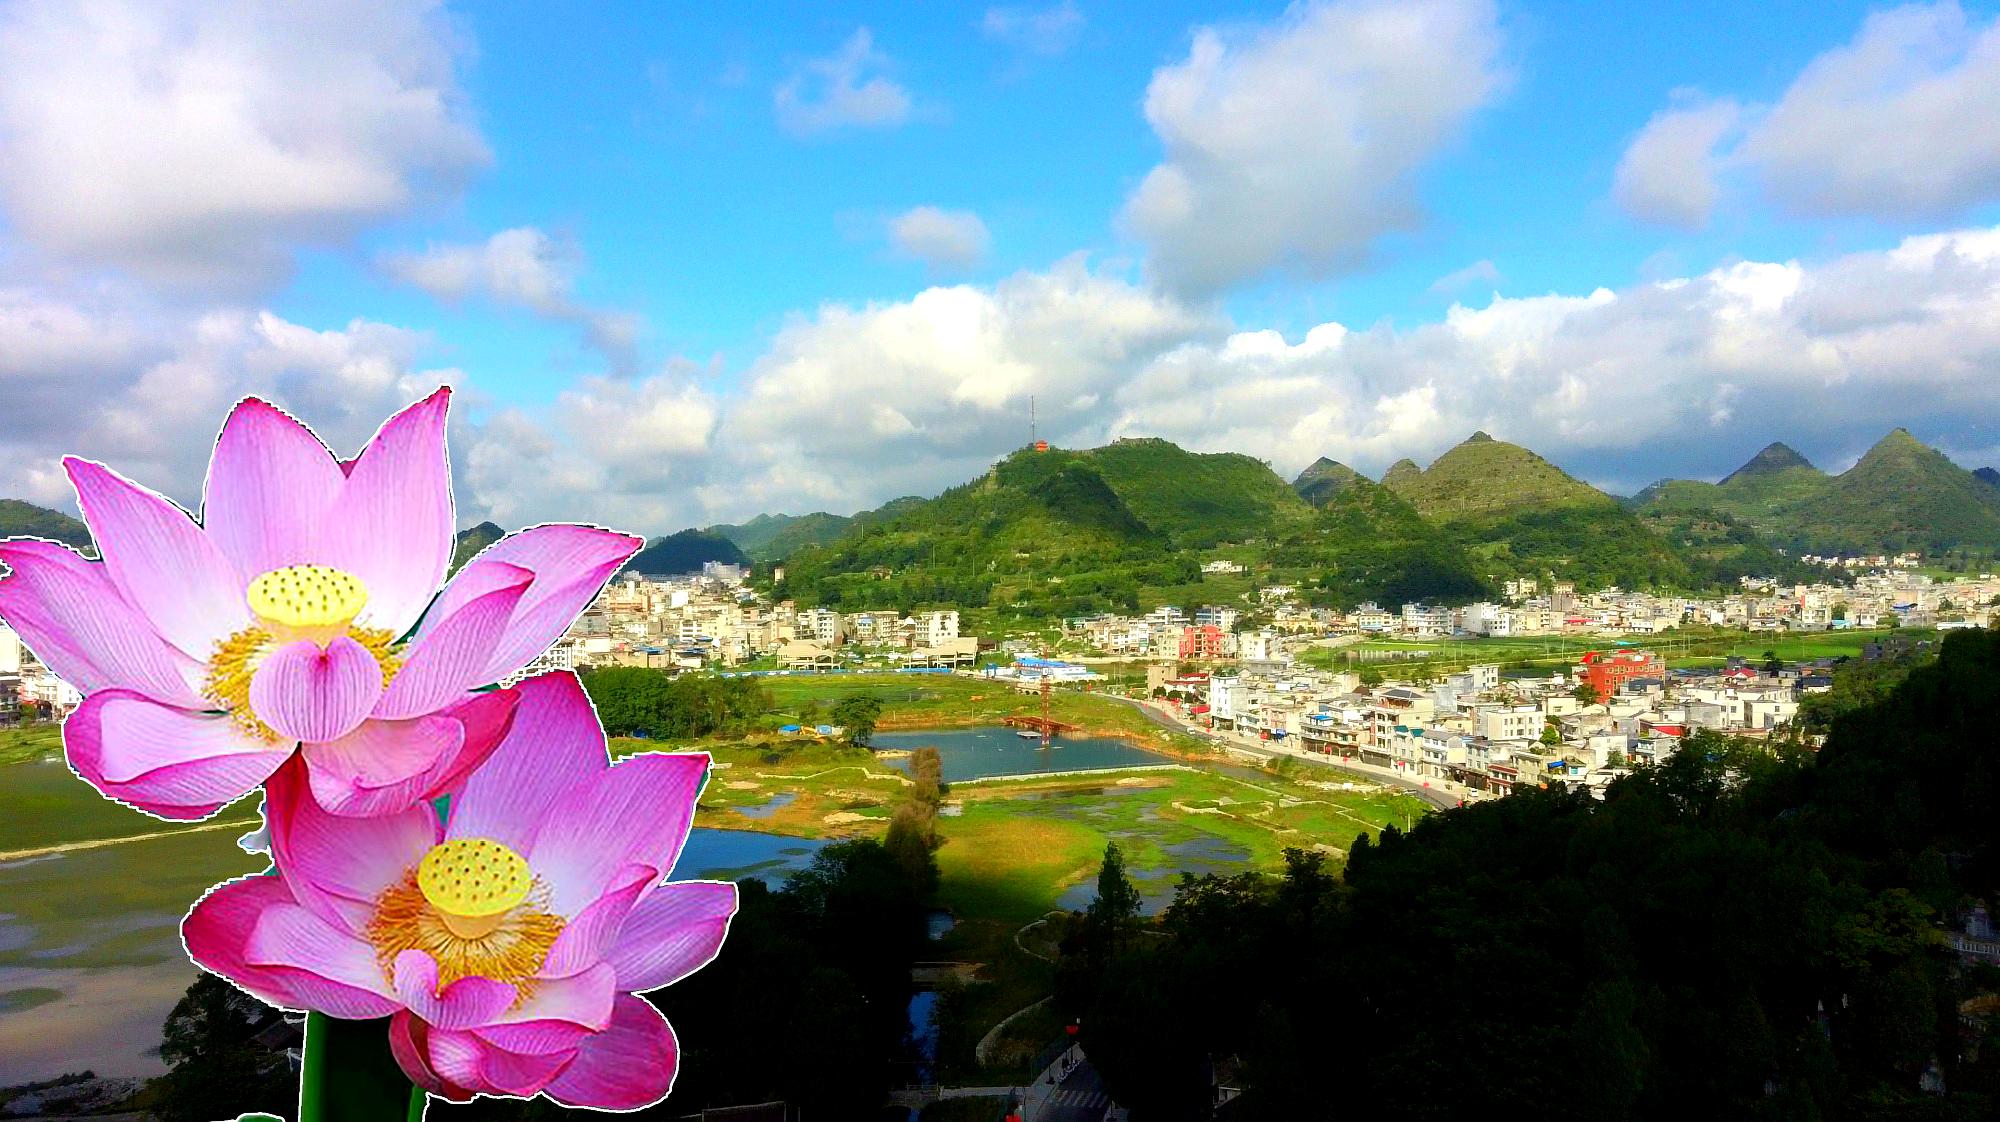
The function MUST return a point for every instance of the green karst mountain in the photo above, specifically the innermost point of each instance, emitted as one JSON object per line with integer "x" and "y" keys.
{"x": 685, "y": 552}
{"x": 1988, "y": 476}
{"x": 1129, "y": 525}
{"x": 1400, "y": 474}
{"x": 1484, "y": 479}
{"x": 471, "y": 541}
{"x": 1901, "y": 495}
{"x": 772, "y": 537}
{"x": 1519, "y": 515}
{"x": 1324, "y": 479}
{"x": 23, "y": 519}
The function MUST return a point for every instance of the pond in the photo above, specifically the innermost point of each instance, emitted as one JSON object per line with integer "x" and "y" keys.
{"x": 90, "y": 952}
{"x": 979, "y": 752}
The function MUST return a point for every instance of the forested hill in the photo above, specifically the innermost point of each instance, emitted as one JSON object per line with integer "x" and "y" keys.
{"x": 1066, "y": 532}
{"x": 1752, "y": 930}
{"x": 685, "y": 552}
{"x": 1901, "y": 495}
{"x": 23, "y": 519}
{"x": 1076, "y": 531}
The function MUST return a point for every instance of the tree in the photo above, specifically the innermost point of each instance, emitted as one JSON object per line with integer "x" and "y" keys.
{"x": 1840, "y": 610}
{"x": 1585, "y": 694}
{"x": 1551, "y": 735}
{"x": 1772, "y": 664}
{"x": 1117, "y": 901}
{"x": 215, "y": 1069}
{"x": 856, "y": 714}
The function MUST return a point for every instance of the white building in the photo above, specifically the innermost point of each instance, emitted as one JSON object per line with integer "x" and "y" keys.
{"x": 10, "y": 650}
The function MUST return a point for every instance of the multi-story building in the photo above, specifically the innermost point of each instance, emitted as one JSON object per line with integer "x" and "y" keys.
{"x": 1605, "y": 671}
{"x": 1201, "y": 642}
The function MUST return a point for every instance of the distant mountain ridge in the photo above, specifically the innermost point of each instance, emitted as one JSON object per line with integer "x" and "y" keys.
{"x": 1901, "y": 494}
{"x": 769, "y": 537}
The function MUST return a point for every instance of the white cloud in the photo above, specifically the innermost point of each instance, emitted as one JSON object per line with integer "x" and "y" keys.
{"x": 844, "y": 89}
{"x": 1295, "y": 145}
{"x": 858, "y": 404}
{"x": 1479, "y": 272}
{"x": 941, "y": 239}
{"x": 1895, "y": 124}
{"x": 1662, "y": 378}
{"x": 198, "y": 144}
{"x": 852, "y": 405}
{"x": 1891, "y": 125}
{"x": 526, "y": 268}
{"x": 1043, "y": 31}
{"x": 1668, "y": 175}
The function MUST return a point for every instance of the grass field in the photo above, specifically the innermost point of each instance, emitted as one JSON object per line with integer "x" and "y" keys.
{"x": 1555, "y": 651}
{"x": 911, "y": 701}
{"x": 30, "y": 742}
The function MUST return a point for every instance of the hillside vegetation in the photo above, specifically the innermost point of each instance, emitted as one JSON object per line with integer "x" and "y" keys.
{"x": 1129, "y": 525}
{"x": 26, "y": 520}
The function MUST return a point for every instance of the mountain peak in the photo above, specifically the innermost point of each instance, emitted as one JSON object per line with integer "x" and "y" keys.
{"x": 1323, "y": 480}
{"x": 1988, "y": 476}
{"x": 1898, "y": 438}
{"x": 1777, "y": 456}
{"x": 1479, "y": 437}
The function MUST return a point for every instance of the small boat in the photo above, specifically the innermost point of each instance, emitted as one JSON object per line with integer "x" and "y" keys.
{"x": 1027, "y": 734}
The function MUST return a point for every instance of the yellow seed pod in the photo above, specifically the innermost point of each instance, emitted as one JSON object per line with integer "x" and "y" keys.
{"x": 308, "y": 599}
{"x": 474, "y": 877}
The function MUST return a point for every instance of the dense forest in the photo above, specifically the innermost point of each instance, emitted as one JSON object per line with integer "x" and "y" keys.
{"x": 1747, "y": 931}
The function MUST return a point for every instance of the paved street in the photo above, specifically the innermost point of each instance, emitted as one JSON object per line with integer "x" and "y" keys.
{"x": 1079, "y": 1098}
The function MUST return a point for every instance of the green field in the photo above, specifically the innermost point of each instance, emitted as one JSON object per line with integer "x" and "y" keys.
{"x": 952, "y": 701}
{"x": 1680, "y": 648}
{"x": 30, "y": 742}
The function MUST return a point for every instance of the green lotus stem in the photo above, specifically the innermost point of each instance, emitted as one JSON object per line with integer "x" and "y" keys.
{"x": 349, "y": 1074}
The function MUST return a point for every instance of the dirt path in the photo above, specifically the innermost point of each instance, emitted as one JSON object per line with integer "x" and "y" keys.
{"x": 99, "y": 843}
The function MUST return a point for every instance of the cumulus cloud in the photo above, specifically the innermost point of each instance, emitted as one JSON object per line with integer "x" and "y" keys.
{"x": 198, "y": 144}
{"x": 1669, "y": 173}
{"x": 855, "y": 405}
{"x": 1683, "y": 376}
{"x": 941, "y": 239}
{"x": 1295, "y": 145}
{"x": 1886, "y": 126}
{"x": 524, "y": 268}
{"x": 158, "y": 383}
{"x": 1043, "y": 31}
{"x": 852, "y": 405}
{"x": 845, "y": 89}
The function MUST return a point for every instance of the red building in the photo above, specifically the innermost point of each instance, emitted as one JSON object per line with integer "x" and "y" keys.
{"x": 1607, "y": 670}
{"x": 1201, "y": 641}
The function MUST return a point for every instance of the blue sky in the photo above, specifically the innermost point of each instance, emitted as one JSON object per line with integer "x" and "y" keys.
{"x": 663, "y": 261}
{"x": 650, "y": 139}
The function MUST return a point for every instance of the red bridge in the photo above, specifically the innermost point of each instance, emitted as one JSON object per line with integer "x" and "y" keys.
{"x": 1044, "y": 725}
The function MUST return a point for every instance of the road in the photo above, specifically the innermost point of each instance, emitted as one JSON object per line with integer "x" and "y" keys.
{"x": 1443, "y": 793}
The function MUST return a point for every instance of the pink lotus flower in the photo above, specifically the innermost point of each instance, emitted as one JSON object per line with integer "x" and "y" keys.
{"x": 505, "y": 941}
{"x": 284, "y": 621}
